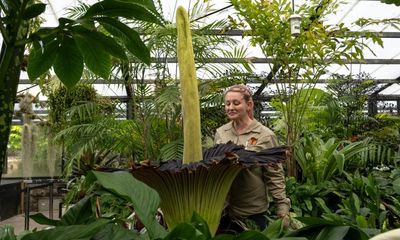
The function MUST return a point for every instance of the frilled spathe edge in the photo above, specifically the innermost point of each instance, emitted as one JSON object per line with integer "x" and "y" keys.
{"x": 227, "y": 153}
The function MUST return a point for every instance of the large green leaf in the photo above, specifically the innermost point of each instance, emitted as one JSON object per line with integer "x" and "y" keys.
{"x": 42, "y": 219}
{"x": 41, "y": 59}
{"x": 274, "y": 229}
{"x": 108, "y": 43}
{"x": 322, "y": 205}
{"x": 321, "y": 229}
{"x": 333, "y": 233}
{"x": 314, "y": 221}
{"x": 115, "y": 232}
{"x": 68, "y": 64}
{"x": 95, "y": 56}
{"x": 183, "y": 231}
{"x": 356, "y": 233}
{"x": 149, "y": 4}
{"x": 69, "y": 232}
{"x": 144, "y": 199}
{"x": 130, "y": 37}
{"x": 114, "y": 8}
{"x": 200, "y": 224}
{"x": 34, "y": 11}
{"x": 80, "y": 213}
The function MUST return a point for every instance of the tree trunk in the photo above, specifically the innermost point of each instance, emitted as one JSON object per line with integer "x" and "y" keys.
{"x": 11, "y": 57}
{"x": 291, "y": 165}
{"x": 11, "y": 63}
{"x": 129, "y": 90}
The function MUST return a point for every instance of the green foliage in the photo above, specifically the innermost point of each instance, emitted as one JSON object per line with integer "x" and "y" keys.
{"x": 298, "y": 61}
{"x": 375, "y": 155}
{"x": 312, "y": 101}
{"x": 14, "y": 142}
{"x": 313, "y": 200}
{"x": 319, "y": 229}
{"x": 145, "y": 200}
{"x": 84, "y": 45}
{"x": 95, "y": 137}
{"x": 385, "y": 130}
{"x": 60, "y": 99}
{"x": 372, "y": 199}
{"x": 80, "y": 221}
{"x": 7, "y": 232}
{"x": 395, "y": 2}
{"x": 155, "y": 130}
{"x": 394, "y": 22}
{"x": 34, "y": 10}
{"x": 321, "y": 116}
{"x": 212, "y": 118}
{"x": 320, "y": 161}
{"x": 351, "y": 93}
{"x": 88, "y": 218}
{"x": 368, "y": 201}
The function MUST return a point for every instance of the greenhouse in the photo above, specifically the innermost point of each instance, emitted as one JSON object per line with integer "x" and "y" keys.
{"x": 115, "y": 119}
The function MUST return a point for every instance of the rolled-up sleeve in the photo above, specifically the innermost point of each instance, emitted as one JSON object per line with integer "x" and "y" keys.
{"x": 274, "y": 178}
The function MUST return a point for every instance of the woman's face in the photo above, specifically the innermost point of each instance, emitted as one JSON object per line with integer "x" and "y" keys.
{"x": 236, "y": 107}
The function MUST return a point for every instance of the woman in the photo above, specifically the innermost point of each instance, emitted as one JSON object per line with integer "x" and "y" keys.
{"x": 247, "y": 202}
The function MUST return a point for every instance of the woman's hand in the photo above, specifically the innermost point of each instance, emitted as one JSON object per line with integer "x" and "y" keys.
{"x": 285, "y": 220}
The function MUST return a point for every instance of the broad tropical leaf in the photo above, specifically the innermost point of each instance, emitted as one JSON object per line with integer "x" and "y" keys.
{"x": 333, "y": 233}
{"x": 68, "y": 64}
{"x": 108, "y": 43}
{"x": 34, "y": 11}
{"x": 145, "y": 200}
{"x": 41, "y": 59}
{"x": 80, "y": 213}
{"x": 74, "y": 232}
{"x": 96, "y": 58}
{"x": 122, "y": 9}
{"x": 129, "y": 37}
{"x": 144, "y": 3}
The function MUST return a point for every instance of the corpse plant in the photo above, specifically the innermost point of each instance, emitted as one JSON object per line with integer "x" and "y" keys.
{"x": 197, "y": 185}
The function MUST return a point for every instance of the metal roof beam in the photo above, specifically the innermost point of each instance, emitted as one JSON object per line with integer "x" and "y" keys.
{"x": 238, "y": 32}
{"x": 250, "y": 80}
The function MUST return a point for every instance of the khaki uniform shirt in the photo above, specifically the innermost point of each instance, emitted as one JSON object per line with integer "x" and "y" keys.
{"x": 249, "y": 191}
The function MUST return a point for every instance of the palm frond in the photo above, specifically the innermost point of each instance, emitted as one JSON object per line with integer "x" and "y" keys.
{"x": 172, "y": 151}
{"x": 376, "y": 154}
{"x": 168, "y": 101}
{"x": 78, "y": 10}
{"x": 83, "y": 112}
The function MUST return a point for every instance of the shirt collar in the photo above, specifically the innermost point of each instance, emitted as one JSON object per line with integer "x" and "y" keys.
{"x": 253, "y": 127}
